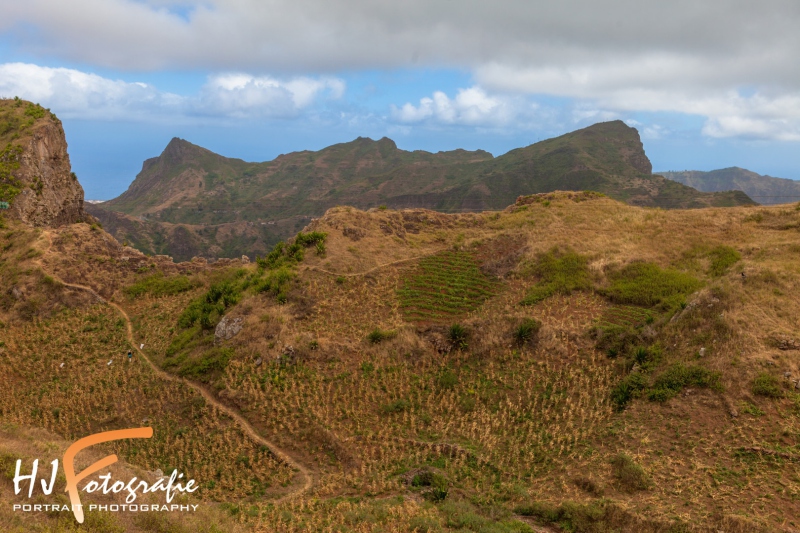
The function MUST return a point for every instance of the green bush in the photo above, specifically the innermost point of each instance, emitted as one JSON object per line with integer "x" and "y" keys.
{"x": 200, "y": 366}
{"x": 527, "y": 331}
{"x": 675, "y": 378}
{"x": 158, "y": 285}
{"x": 284, "y": 255}
{"x": 767, "y": 385}
{"x": 558, "y": 273}
{"x": 397, "y": 406}
{"x": 647, "y": 284}
{"x": 631, "y": 476}
{"x": 461, "y": 516}
{"x": 307, "y": 239}
{"x": 722, "y": 258}
{"x": 628, "y": 389}
{"x": 435, "y": 485}
{"x": 376, "y": 336}
{"x": 447, "y": 380}
{"x": 209, "y": 308}
{"x": 277, "y": 283}
{"x": 457, "y": 334}
{"x": 10, "y": 186}
{"x": 542, "y": 510}
{"x": 35, "y": 111}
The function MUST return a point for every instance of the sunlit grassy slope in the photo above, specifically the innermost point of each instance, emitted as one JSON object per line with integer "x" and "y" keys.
{"x": 653, "y": 391}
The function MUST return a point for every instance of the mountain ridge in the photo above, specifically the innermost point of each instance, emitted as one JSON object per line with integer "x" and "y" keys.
{"x": 765, "y": 189}
{"x": 193, "y": 190}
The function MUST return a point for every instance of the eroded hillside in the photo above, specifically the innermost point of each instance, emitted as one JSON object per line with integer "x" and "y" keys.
{"x": 570, "y": 362}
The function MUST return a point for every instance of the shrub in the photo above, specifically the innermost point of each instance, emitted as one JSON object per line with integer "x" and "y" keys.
{"x": 648, "y": 285}
{"x": 307, "y": 239}
{"x": 558, "y": 273}
{"x": 158, "y": 285}
{"x": 722, "y": 258}
{"x": 628, "y": 389}
{"x": 631, "y": 476}
{"x": 209, "y": 308}
{"x": 527, "y": 330}
{"x": 457, "y": 334}
{"x": 397, "y": 406}
{"x": 545, "y": 511}
{"x": 447, "y": 380}
{"x": 767, "y": 385}
{"x": 678, "y": 376}
{"x": 276, "y": 283}
{"x": 377, "y": 335}
{"x": 288, "y": 255}
{"x": 215, "y": 359}
{"x": 435, "y": 485}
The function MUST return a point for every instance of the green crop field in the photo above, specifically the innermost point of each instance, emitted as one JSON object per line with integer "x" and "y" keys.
{"x": 444, "y": 286}
{"x": 625, "y": 315}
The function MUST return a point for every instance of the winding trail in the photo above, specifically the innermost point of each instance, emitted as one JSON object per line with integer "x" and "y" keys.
{"x": 305, "y": 473}
{"x": 371, "y": 270}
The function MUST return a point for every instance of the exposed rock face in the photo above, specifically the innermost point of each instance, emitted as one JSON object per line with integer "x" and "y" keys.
{"x": 227, "y": 328}
{"x": 51, "y": 195}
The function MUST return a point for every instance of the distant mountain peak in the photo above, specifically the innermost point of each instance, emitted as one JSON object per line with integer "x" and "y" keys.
{"x": 180, "y": 150}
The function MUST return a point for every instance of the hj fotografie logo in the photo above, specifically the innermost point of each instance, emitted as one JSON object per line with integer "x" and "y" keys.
{"x": 132, "y": 488}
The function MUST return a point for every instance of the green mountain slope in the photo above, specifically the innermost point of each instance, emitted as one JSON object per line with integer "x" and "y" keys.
{"x": 198, "y": 190}
{"x": 764, "y": 189}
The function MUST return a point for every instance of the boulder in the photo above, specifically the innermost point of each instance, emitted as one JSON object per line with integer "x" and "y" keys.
{"x": 228, "y": 328}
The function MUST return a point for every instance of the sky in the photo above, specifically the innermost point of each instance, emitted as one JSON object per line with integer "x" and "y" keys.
{"x": 709, "y": 84}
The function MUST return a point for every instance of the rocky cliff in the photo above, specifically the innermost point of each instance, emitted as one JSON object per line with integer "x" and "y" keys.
{"x": 36, "y": 178}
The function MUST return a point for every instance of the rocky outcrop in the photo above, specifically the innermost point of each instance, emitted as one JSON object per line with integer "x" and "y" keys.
{"x": 51, "y": 194}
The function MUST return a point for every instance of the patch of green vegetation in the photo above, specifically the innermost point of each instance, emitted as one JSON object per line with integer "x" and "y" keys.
{"x": 629, "y": 388}
{"x": 158, "y": 285}
{"x": 434, "y": 486}
{"x": 647, "y": 284}
{"x": 200, "y": 365}
{"x": 559, "y": 272}
{"x": 677, "y": 377}
{"x": 35, "y": 111}
{"x": 667, "y": 385}
{"x": 377, "y": 335}
{"x": 397, "y": 406}
{"x": 631, "y": 476}
{"x": 447, "y": 380}
{"x": 312, "y": 238}
{"x": 722, "y": 258}
{"x": 460, "y": 515}
{"x": 599, "y": 516}
{"x": 444, "y": 286}
{"x": 276, "y": 282}
{"x": 457, "y": 335}
{"x": 766, "y": 385}
{"x": 625, "y": 316}
{"x": 207, "y": 310}
{"x": 10, "y": 186}
{"x": 273, "y": 275}
{"x": 527, "y": 331}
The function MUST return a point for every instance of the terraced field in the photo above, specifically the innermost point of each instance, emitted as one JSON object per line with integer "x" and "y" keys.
{"x": 443, "y": 287}
{"x": 627, "y": 316}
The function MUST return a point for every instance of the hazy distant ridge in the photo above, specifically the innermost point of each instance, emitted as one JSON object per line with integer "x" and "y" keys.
{"x": 763, "y": 189}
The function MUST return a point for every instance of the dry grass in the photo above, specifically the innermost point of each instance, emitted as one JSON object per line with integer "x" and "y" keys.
{"x": 504, "y": 424}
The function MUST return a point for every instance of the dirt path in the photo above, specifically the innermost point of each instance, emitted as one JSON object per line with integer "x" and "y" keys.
{"x": 308, "y": 479}
{"x": 371, "y": 270}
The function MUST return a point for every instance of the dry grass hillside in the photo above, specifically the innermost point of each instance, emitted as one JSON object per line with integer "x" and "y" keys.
{"x": 570, "y": 363}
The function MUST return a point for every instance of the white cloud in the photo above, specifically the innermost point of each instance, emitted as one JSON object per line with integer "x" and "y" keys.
{"x": 470, "y": 107}
{"x": 72, "y": 93}
{"x": 618, "y": 55}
